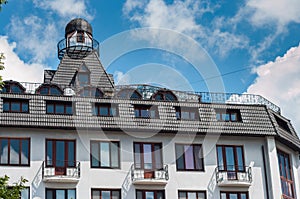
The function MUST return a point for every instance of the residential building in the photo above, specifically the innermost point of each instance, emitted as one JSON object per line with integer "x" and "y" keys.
{"x": 78, "y": 135}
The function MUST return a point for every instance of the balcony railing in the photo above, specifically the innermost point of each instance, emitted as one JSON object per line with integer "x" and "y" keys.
{"x": 241, "y": 176}
{"x": 67, "y": 171}
{"x": 149, "y": 177}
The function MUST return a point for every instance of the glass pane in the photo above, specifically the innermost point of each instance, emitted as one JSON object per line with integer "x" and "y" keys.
{"x": 145, "y": 113}
{"x": 115, "y": 195}
{"x": 170, "y": 97}
{"x": 113, "y": 111}
{"x": 71, "y": 194}
{"x": 220, "y": 158}
{"x": 192, "y": 195}
{"x": 223, "y": 196}
{"x": 54, "y": 91}
{"x": 243, "y": 196}
{"x": 287, "y": 168}
{"x": 149, "y": 194}
{"x": 157, "y": 156}
{"x": 69, "y": 109}
{"x": 95, "y": 194}
{"x": 159, "y": 97}
{"x": 4, "y": 151}
{"x": 185, "y": 115}
{"x": 50, "y": 108}
{"x": 44, "y": 91}
{"x": 104, "y": 159}
{"x": 147, "y": 156}
{"x": 59, "y": 109}
{"x": 233, "y": 117}
{"x": 201, "y": 195}
{"x": 225, "y": 116}
{"x": 152, "y": 113}
{"x": 233, "y": 196}
{"x": 15, "y": 106}
{"x": 104, "y": 111}
{"x": 95, "y": 110}
{"x": 49, "y": 194}
{"x": 60, "y": 194}
{"x": 198, "y": 157}
{"x": 71, "y": 154}
{"x": 16, "y": 89}
{"x": 25, "y": 193}
{"x": 14, "y": 151}
{"x": 179, "y": 157}
{"x": 189, "y": 157}
{"x": 240, "y": 160}
{"x": 159, "y": 195}
{"x": 6, "y": 106}
{"x": 25, "y": 152}
{"x": 95, "y": 154}
{"x": 49, "y": 153}
{"x": 229, "y": 158}
{"x": 137, "y": 113}
{"x": 282, "y": 166}
{"x": 137, "y": 156}
{"x": 182, "y": 195}
{"x": 60, "y": 153}
{"x": 114, "y": 155}
{"x": 139, "y": 195}
{"x": 83, "y": 79}
{"x": 105, "y": 195}
{"x": 218, "y": 116}
{"x": 192, "y": 115}
{"x": 25, "y": 107}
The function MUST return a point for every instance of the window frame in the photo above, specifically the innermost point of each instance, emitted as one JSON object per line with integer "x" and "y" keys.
{"x": 144, "y": 193}
{"x": 20, "y": 151}
{"x": 110, "y": 190}
{"x": 21, "y": 102}
{"x": 234, "y": 192}
{"x": 235, "y": 158}
{"x": 201, "y": 160}
{"x": 49, "y": 87}
{"x": 288, "y": 172}
{"x": 98, "y": 142}
{"x": 65, "y": 104}
{"x": 8, "y": 87}
{"x": 60, "y": 189}
{"x": 179, "y": 110}
{"x": 97, "y": 109}
{"x": 139, "y": 108}
{"x": 230, "y": 113}
{"x": 191, "y": 191}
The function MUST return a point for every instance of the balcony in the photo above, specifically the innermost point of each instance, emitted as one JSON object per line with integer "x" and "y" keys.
{"x": 149, "y": 177}
{"x": 68, "y": 172}
{"x": 241, "y": 177}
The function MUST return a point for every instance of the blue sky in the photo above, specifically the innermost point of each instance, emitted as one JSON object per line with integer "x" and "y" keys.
{"x": 249, "y": 46}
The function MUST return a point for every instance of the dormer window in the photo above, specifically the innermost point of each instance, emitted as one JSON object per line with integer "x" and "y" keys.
{"x": 91, "y": 92}
{"x": 48, "y": 89}
{"x": 163, "y": 95}
{"x": 13, "y": 87}
{"x": 228, "y": 115}
{"x": 83, "y": 76}
{"x": 187, "y": 113}
{"x": 80, "y": 37}
{"x": 129, "y": 93}
{"x": 282, "y": 124}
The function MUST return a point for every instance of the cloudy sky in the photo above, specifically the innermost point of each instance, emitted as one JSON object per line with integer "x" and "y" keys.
{"x": 248, "y": 45}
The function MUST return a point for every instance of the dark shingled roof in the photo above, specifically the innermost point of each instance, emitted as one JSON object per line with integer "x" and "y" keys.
{"x": 78, "y": 24}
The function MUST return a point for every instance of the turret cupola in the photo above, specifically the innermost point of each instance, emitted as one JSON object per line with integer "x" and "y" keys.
{"x": 78, "y": 42}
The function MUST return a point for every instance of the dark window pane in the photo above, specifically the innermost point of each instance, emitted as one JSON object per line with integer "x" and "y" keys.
{"x": 4, "y": 151}
{"x": 6, "y": 106}
{"x": 95, "y": 154}
{"x": 16, "y": 89}
{"x": 240, "y": 160}
{"x": 71, "y": 153}
{"x": 198, "y": 157}
{"x": 59, "y": 109}
{"x": 230, "y": 159}
{"x": 179, "y": 157}
{"x": 15, "y": 106}
{"x": 50, "y": 108}
{"x": 69, "y": 109}
{"x": 189, "y": 157}
{"x": 25, "y": 152}
{"x": 25, "y": 107}
{"x": 44, "y": 91}
{"x": 104, "y": 111}
{"x": 55, "y": 91}
{"x": 104, "y": 150}
{"x": 95, "y": 194}
{"x": 114, "y": 155}
{"x": 14, "y": 151}
{"x": 137, "y": 157}
{"x": 60, "y": 153}
{"x": 71, "y": 194}
{"x": 220, "y": 158}
{"x": 49, "y": 152}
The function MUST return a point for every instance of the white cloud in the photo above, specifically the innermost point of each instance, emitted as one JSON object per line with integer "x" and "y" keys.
{"x": 36, "y": 38}
{"x": 15, "y": 68}
{"x": 183, "y": 17}
{"x": 279, "y": 82}
{"x": 66, "y": 8}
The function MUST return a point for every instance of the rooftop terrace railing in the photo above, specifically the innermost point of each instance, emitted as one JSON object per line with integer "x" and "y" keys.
{"x": 187, "y": 96}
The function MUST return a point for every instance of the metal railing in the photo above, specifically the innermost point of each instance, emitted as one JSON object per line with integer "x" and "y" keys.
{"x": 69, "y": 169}
{"x": 235, "y": 174}
{"x": 186, "y": 96}
{"x": 154, "y": 174}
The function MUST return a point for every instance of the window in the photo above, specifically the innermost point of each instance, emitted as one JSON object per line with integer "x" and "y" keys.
{"x": 12, "y": 87}
{"x": 60, "y": 194}
{"x": 282, "y": 124}
{"x": 164, "y": 95}
{"x": 58, "y": 107}
{"x": 105, "y": 154}
{"x": 128, "y": 93}
{"x": 83, "y": 77}
{"x": 145, "y": 111}
{"x": 189, "y": 157}
{"x": 187, "y": 113}
{"x": 231, "y": 159}
{"x": 228, "y": 115}
{"x": 48, "y": 89}
{"x": 106, "y": 194}
{"x": 91, "y": 92}
{"x": 25, "y": 193}
{"x": 191, "y": 195}
{"x": 15, "y": 151}
{"x": 234, "y": 195}
{"x": 286, "y": 175}
{"x": 109, "y": 110}
{"x": 60, "y": 154}
{"x": 147, "y": 194}
{"x": 80, "y": 37}
{"x": 15, "y": 105}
